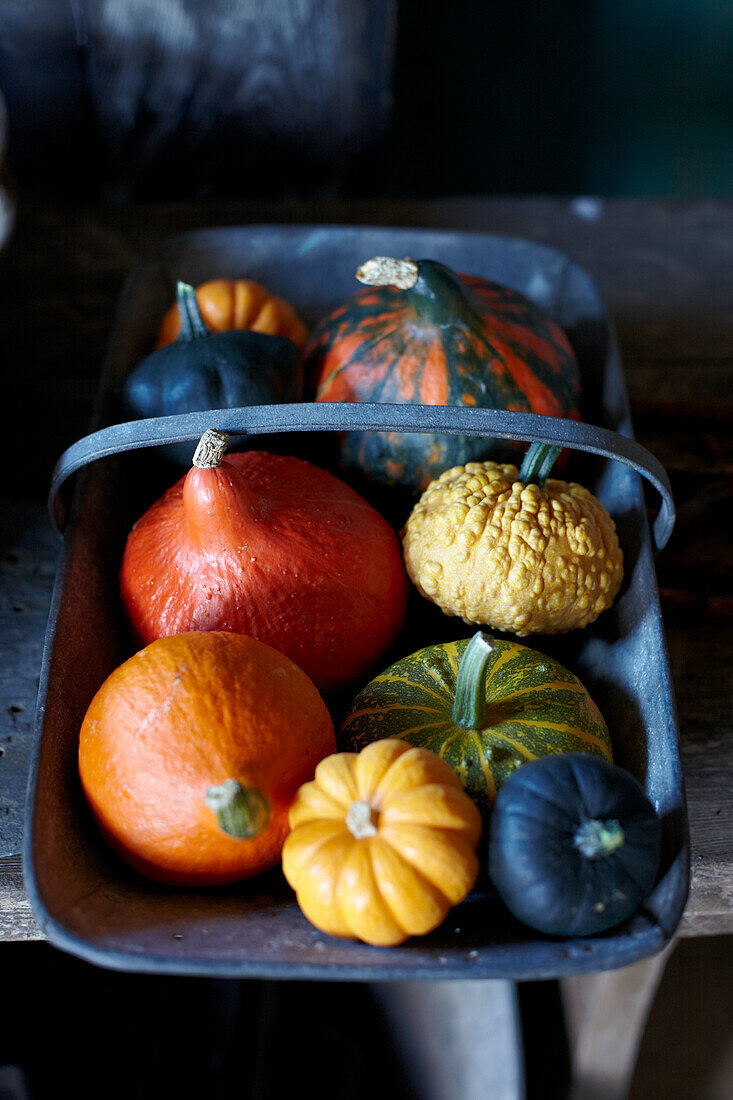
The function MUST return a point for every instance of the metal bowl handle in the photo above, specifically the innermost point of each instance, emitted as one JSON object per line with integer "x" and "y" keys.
{"x": 354, "y": 417}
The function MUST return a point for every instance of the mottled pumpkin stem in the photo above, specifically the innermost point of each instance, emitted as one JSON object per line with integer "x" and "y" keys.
{"x": 242, "y": 812}
{"x": 538, "y": 461}
{"x": 211, "y": 449}
{"x": 386, "y": 271}
{"x": 192, "y": 323}
{"x": 595, "y": 839}
{"x": 469, "y": 707}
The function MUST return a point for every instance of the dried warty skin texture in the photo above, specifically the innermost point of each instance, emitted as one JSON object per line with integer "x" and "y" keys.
{"x": 519, "y": 558}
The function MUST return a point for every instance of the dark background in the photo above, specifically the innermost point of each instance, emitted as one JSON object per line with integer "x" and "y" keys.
{"x": 175, "y": 99}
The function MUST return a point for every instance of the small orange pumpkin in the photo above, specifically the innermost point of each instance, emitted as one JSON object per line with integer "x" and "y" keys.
{"x": 191, "y": 752}
{"x": 383, "y": 843}
{"x": 238, "y": 303}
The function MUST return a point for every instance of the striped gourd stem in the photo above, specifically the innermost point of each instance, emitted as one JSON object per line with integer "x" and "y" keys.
{"x": 469, "y": 707}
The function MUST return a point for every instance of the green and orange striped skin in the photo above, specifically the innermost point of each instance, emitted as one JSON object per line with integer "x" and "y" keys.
{"x": 535, "y": 707}
{"x": 449, "y": 340}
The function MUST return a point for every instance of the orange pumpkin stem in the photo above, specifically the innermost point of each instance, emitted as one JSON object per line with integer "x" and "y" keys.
{"x": 242, "y": 812}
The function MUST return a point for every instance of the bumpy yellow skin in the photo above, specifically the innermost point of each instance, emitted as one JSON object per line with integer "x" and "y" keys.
{"x": 485, "y": 547}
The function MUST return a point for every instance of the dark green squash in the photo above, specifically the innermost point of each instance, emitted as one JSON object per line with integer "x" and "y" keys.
{"x": 207, "y": 370}
{"x": 423, "y": 334}
{"x": 486, "y": 707}
{"x": 574, "y": 845}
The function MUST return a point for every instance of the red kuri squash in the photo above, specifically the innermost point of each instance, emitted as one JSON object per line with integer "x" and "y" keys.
{"x": 273, "y": 547}
{"x": 421, "y": 333}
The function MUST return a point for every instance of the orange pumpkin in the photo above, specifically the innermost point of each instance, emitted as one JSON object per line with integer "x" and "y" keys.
{"x": 238, "y": 303}
{"x": 192, "y": 751}
{"x": 383, "y": 843}
{"x": 270, "y": 546}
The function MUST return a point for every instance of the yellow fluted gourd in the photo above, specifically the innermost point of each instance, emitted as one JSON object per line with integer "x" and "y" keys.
{"x": 383, "y": 843}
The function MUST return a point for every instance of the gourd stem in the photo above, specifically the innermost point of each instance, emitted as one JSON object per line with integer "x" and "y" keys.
{"x": 436, "y": 295}
{"x": 361, "y": 820}
{"x": 192, "y": 323}
{"x": 210, "y": 449}
{"x": 538, "y": 461}
{"x": 242, "y": 812}
{"x": 386, "y": 271}
{"x": 595, "y": 839}
{"x": 469, "y": 707}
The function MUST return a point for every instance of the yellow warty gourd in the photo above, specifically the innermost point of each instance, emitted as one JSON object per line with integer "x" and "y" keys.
{"x": 486, "y": 544}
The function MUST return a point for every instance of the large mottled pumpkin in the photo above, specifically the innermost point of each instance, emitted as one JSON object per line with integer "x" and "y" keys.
{"x": 485, "y": 706}
{"x": 423, "y": 334}
{"x": 192, "y": 751}
{"x": 270, "y": 546}
{"x": 383, "y": 843}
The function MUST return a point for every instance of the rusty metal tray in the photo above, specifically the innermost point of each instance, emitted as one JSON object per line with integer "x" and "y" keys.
{"x": 85, "y": 899}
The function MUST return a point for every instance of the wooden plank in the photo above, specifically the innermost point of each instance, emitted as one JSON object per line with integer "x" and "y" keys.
{"x": 687, "y": 390}
{"x": 28, "y": 552}
{"x": 16, "y": 918}
{"x": 458, "y": 1039}
{"x": 606, "y": 1015}
{"x": 702, "y": 671}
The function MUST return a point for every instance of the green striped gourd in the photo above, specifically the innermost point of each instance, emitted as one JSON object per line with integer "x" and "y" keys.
{"x": 486, "y": 706}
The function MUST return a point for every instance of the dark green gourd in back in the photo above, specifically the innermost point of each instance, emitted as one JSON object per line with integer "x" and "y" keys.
{"x": 210, "y": 370}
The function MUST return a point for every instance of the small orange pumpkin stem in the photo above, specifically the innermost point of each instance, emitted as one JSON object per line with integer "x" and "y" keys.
{"x": 242, "y": 812}
{"x": 386, "y": 271}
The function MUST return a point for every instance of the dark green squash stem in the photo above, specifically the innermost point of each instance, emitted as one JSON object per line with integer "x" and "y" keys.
{"x": 595, "y": 839}
{"x": 242, "y": 812}
{"x": 469, "y": 707}
{"x": 538, "y": 461}
{"x": 192, "y": 323}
